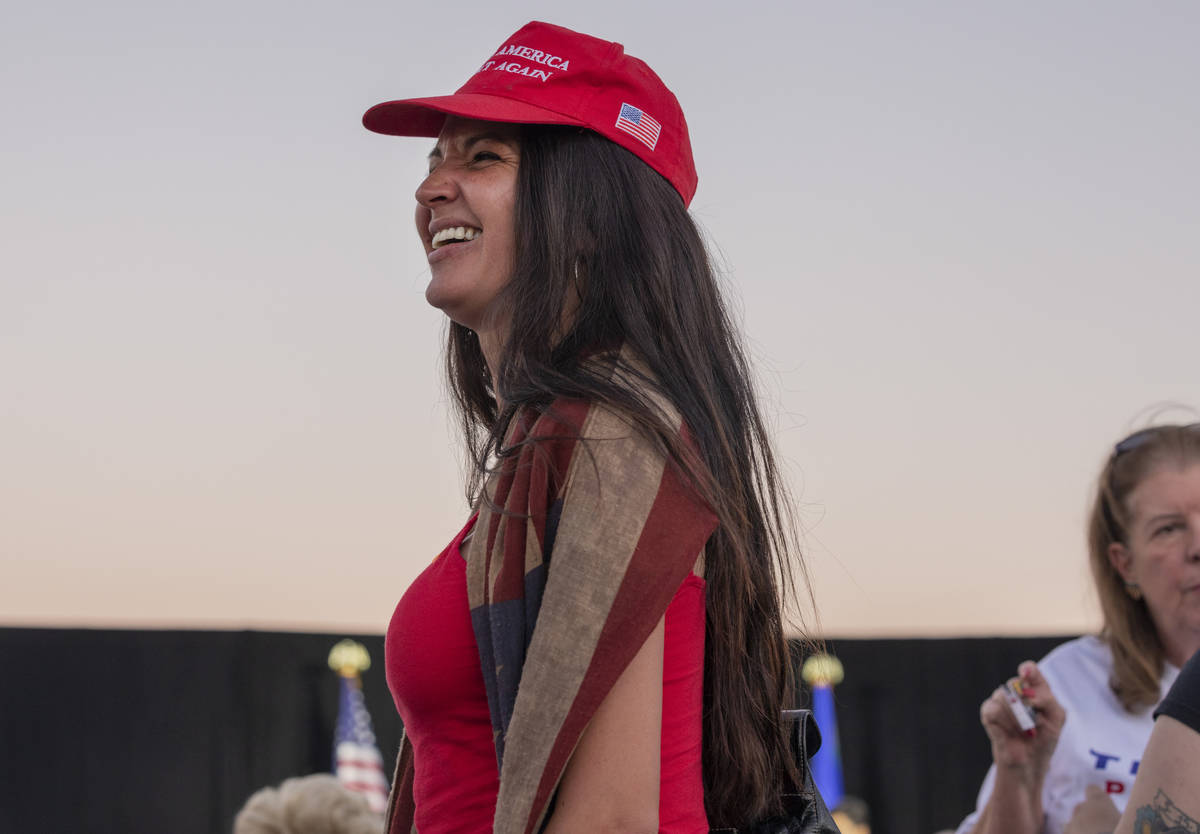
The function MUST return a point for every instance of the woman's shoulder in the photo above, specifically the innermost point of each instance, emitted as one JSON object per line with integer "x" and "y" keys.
{"x": 563, "y": 417}
{"x": 1088, "y": 649}
{"x": 574, "y": 418}
{"x": 1084, "y": 661}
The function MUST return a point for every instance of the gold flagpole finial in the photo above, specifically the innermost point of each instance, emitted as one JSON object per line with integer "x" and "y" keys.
{"x": 822, "y": 670}
{"x": 349, "y": 659}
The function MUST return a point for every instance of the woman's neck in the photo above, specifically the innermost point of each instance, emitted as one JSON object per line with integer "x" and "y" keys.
{"x": 492, "y": 346}
{"x": 1182, "y": 646}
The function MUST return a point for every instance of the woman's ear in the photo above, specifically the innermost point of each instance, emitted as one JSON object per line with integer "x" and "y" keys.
{"x": 1122, "y": 561}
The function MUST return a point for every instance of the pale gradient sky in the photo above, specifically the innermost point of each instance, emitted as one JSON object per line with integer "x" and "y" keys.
{"x": 963, "y": 242}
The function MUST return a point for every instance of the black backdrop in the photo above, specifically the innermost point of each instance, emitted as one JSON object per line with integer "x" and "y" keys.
{"x": 144, "y": 732}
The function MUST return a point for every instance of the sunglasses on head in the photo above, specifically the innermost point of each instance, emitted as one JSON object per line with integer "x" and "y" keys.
{"x": 1140, "y": 437}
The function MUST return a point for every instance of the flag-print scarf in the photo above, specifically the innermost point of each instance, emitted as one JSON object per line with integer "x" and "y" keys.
{"x": 578, "y": 550}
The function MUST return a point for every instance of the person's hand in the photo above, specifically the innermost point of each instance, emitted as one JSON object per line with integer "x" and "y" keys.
{"x": 1011, "y": 747}
{"x": 1095, "y": 815}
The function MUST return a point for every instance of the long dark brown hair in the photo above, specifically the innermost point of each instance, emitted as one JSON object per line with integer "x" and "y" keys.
{"x": 604, "y": 237}
{"x": 1129, "y": 630}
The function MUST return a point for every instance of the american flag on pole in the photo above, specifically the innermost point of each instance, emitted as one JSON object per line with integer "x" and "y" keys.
{"x": 356, "y": 759}
{"x": 639, "y": 125}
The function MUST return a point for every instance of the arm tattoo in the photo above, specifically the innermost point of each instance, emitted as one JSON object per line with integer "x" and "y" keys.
{"x": 1163, "y": 816}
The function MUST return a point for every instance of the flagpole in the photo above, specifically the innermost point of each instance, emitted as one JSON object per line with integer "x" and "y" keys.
{"x": 357, "y": 762}
{"x": 823, "y": 672}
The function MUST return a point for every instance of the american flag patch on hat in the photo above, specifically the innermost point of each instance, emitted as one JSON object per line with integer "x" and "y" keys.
{"x": 639, "y": 125}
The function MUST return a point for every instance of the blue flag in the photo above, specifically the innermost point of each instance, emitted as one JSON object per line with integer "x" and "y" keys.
{"x": 827, "y": 763}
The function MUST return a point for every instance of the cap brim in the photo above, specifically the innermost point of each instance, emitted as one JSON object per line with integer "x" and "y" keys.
{"x": 424, "y": 116}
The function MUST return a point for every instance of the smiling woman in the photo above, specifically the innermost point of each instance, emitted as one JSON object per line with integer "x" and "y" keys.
{"x": 465, "y": 210}
{"x": 600, "y": 648}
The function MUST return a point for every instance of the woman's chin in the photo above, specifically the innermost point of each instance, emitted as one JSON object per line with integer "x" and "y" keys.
{"x": 463, "y": 308}
{"x": 454, "y": 310}
{"x": 442, "y": 295}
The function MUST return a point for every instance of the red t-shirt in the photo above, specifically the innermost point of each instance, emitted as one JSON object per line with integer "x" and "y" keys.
{"x": 433, "y": 672}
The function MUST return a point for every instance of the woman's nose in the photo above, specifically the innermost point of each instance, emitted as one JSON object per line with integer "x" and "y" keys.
{"x": 438, "y": 187}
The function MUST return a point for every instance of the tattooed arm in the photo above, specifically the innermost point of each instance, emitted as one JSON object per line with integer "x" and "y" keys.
{"x": 1166, "y": 794}
{"x": 1162, "y": 814}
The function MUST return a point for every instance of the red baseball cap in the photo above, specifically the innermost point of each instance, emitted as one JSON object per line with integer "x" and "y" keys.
{"x": 545, "y": 74}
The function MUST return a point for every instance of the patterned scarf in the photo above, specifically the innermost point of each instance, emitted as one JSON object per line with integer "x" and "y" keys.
{"x": 565, "y": 584}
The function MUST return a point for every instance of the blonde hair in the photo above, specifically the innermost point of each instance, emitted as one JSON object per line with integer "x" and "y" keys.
{"x": 1128, "y": 629}
{"x": 316, "y": 804}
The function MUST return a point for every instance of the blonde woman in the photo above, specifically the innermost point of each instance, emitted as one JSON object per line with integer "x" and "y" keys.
{"x": 1094, "y": 697}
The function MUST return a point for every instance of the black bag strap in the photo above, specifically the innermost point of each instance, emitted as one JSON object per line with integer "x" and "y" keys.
{"x": 805, "y": 811}
{"x": 805, "y": 735}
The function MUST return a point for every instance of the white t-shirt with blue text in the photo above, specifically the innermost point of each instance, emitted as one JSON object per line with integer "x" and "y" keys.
{"x": 1101, "y": 744}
